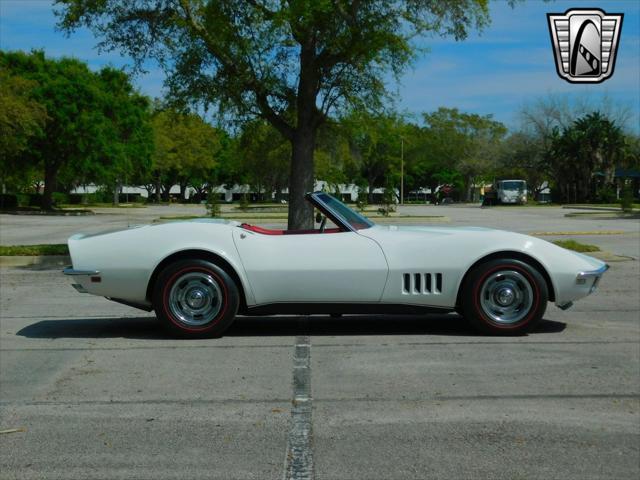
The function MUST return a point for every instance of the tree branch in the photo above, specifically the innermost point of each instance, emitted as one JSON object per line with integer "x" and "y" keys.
{"x": 249, "y": 79}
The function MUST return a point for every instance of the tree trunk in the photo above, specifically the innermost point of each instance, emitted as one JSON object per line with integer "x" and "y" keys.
{"x": 50, "y": 174}
{"x": 278, "y": 192}
{"x": 303, "y": 138}
{"x": 370, "y": 187}
{"x": 301, "y": 179}
{"x": 166, "y": 192}
{"x": 200, "y": 194}
{"x": 116, "y": 194}
{"x": 158, "y": 189}
{"x": 149, "y": 189}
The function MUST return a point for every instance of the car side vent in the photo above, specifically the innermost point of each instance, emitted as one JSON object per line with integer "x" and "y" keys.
{"x": 421, "y": 283}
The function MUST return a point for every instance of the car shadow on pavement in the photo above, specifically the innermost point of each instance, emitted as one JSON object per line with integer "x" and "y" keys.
{"x": 323, "y": 325}
{"x": 317, "y": 325}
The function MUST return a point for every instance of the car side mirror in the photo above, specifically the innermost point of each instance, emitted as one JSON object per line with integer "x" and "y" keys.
{"x": 318, "y": 217}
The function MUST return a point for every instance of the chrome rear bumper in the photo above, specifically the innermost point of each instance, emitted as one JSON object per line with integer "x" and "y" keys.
{"x": 72, "y": 271}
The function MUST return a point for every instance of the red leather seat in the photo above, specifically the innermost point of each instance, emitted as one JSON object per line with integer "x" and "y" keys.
{"x": 267, "y": 231}
{"x": 264, "y": 231}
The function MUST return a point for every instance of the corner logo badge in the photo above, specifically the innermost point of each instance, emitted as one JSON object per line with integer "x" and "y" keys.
{"x": 585, "y": 43}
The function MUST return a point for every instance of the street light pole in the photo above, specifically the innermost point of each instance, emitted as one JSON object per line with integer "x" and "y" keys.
{"x": 401, "y": 170}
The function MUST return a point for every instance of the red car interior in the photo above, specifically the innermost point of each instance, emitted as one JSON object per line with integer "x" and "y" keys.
{"x": 267, "y": 231}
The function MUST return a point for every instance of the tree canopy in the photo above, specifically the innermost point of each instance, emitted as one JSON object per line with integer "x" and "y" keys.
{"x": 95, "y": 122}
{"x": 185, "y": 151}
{"x": 291, "y": 63}
{"x": 583, "y": 157}
{"x": 21, "y": 119}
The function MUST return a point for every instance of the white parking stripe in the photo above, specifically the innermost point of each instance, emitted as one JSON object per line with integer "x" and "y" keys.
{"x": 299, "y": 456}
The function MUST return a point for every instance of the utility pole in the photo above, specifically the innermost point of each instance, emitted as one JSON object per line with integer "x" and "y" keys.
{"x": 401, "y": 170}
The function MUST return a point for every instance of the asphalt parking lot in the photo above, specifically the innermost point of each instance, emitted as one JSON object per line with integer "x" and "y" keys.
{"x": 96, "y": 390}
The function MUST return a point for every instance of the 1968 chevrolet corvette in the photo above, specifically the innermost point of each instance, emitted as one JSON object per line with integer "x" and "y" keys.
{"x": 198, "y": 275}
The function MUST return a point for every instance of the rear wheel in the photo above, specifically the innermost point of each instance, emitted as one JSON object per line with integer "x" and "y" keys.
{"x": 504, "y": 297}
{"x": 195, "y": 298}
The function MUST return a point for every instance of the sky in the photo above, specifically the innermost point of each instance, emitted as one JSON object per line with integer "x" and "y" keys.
{"x": 498, "y": 71}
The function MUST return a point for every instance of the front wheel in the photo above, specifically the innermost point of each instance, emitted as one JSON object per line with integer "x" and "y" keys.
{"x": 195, "y": 298}
{"x": 504, "y": 297}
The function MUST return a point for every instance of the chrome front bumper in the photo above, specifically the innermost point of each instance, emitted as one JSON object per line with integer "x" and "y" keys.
{"x": 584, "y": 277}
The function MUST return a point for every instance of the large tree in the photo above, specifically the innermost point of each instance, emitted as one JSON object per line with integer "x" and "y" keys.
{"x": 95, "y": 126}
{"x": 292, "y": 63}
{"x": 21, "y": 119}
{"x": 375, "y": 144}
{"x": 186, "y": 148}
{"x": 464, "y": 143}
{"x": 590, "y": 149}
{"x": 263, "y": 158}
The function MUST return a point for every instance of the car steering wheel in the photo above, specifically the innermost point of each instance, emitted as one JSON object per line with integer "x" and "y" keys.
{"x": 323, "y": 224}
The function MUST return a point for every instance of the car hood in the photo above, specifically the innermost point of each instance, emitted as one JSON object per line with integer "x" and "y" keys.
{"x": 453, "y": 243}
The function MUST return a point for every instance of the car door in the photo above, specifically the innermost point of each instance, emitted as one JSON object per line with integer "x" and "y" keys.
{"x": 327, "y": 267}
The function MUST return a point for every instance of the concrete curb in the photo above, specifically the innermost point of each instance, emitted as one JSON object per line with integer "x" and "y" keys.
{"x": 35, "y": 260}
{"x": 54, "y": 213}
{"x": 593, "y": 215}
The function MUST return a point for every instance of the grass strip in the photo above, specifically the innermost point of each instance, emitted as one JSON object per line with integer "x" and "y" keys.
{"x": 577, "y": 246}
{"x": 33, "y": 250}
{"x": 71, "y": 206}
{"x": 591, "y": 232}
{"x": 634, "y": 205}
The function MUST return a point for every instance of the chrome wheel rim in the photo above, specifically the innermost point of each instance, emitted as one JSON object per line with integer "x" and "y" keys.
{"x": 195, "y": 299}
{"x": 506, "y": 297}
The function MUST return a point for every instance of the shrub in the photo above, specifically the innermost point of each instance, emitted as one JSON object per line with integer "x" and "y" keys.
{"x": 35, "y": 200}
{"x": 388, "y": 202}
{"x": 244, "y": 203}
{"x": 213, "y": 205}
{"x": 59, "y": 198}
{"x": 102, "y": 195}
{"x": 606, "y": 195}
{"x": 8, "y": 201}
{"x": 626, "y": 199}
{"x": 361, "y": 203}
{"x": 23, "y": 199}
{"x": 76, "y": 198}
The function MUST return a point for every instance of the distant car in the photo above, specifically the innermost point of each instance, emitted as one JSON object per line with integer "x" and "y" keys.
{"x": 506, "y": 192}
{"x": 198, "y": 275}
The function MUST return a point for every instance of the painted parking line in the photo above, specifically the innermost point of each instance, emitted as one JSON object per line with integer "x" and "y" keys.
{"x": 298, "y": 463}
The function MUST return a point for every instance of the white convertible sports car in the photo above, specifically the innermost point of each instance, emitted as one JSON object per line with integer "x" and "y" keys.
{"x": 198, "y": 275}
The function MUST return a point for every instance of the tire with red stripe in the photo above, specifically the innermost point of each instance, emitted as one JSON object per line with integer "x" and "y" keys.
{"x": 504, "y": 297}
{"x": 195, "y": 299}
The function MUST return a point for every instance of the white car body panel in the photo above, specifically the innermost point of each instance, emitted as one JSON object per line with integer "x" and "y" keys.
{"x": 367, "y": 266}
{"x": 127, "y": 258}
{"x": 451, "y": 251}
{"x": 331, "y": 267}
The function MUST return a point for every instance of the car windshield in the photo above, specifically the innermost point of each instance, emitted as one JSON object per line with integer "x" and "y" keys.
{"x": 344, "y": 213}
{"x": 513, "y": 185}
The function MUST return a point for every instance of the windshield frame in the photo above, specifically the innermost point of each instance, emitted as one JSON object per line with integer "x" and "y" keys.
{"x": 320, "y": 201}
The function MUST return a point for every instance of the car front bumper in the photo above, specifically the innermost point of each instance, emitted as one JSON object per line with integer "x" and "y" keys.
{"x": 586, "y": 283}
